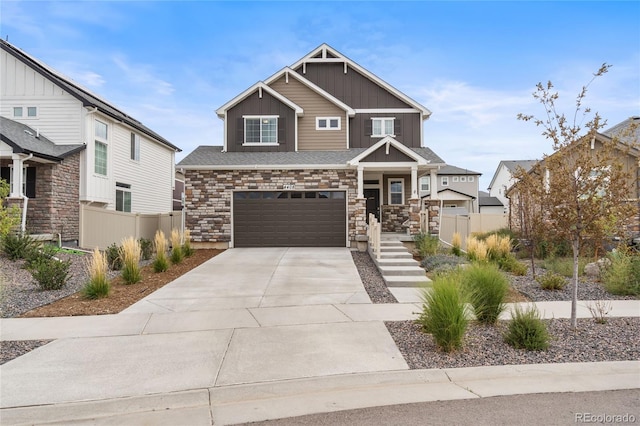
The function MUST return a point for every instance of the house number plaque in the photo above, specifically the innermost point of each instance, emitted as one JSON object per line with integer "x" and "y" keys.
{"x": 289, "y": 186}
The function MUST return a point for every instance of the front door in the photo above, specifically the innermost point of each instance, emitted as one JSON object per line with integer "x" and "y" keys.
{"x": 373, "y": 202}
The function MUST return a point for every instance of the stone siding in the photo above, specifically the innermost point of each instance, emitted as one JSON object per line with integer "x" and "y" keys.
{"x": 393, "y": 216}
{"x": 433, "y": 209}
{"x": 208, "y": 196}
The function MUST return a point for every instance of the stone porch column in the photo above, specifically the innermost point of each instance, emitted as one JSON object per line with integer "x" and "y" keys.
{"x": 414, "y": 216}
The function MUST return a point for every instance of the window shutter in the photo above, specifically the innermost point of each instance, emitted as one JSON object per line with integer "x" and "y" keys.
{"x": 282, "y": 130}
{"x": 31, "y": 182}
{"x": 397, "y": 127}
{"x": 240, "y": 131}
{"x": 368, "y": 127}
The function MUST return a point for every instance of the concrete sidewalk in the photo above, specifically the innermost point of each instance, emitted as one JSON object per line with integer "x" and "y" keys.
{"x": 286, "y": 344}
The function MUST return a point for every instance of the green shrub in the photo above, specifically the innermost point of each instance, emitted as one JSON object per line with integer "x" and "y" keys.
{"x": 443, "y": 313}
{"x": 114, "y": 261}
{"x": 18, "y": 246}
{"x": 511, "y": 264}
{"x": 622, "y": 275}
{"x": 527, "y": 331}
{"x": 146, "y": 248}
{"x": 187, "y": 250}
{"x": 486, "y": 289}
{"x": 160, "y": 263}
{"x": 441, "y": 262}
{"x": 98, "y": 285}
{"x": 50, "y": 273}
{"x": 426, "y": 244}
{"x": 551, "y": 281}
{"x": 130, "y": 254}
{"x": 176, "y": 247}
{"x": 564, "y": 265}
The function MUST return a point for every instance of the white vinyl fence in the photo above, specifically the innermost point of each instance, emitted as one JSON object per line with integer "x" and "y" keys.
{"x": 468, "y": 224}
{"x": 101, "y": 228}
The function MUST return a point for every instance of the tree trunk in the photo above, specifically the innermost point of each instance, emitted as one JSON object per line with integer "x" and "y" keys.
{"x": 575, "y": 245}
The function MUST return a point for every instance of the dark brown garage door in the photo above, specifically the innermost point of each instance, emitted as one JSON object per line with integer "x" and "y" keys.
{"x": 289, "y": 219}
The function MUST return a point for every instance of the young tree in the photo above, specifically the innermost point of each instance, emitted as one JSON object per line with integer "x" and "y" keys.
{"x": 583, "y": 187}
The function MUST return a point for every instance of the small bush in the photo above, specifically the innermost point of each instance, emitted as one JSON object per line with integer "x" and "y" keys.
{"x": 176, "y": 248}
{"x": 50, "y": 273}
{"x": 527, "y": 331}
{"x": 456, "y": 244}
{"x": 486, "y": 289}
{"x": 477, "y": 250}
{"x": 18, "y": 246}
{"x": 98, "y": 285}
{"x": 622, "y": 276}
{"x": 426, "y": 244}
{"x": 130, "y": 254}
{"x": 441, "y": 262}
{"x": 443, "y": 313}
{"x": 113, "y": 257}
{"x": 160, "y": 263}
{"x": 564, "y": 265}
{"x": 551, "y": 281}
{"x": 146, "y": 248}
{"x": 187, "y": 250}
{"x": 511, "y": 264}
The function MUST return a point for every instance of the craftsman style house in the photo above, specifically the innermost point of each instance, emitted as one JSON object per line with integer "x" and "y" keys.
{"x": 62, "y": 146}
{"x": 307, "y": 155}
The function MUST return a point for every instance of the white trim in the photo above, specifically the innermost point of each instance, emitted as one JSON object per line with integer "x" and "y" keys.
{"x": 328, "y": 120}
{"x": 442, "y": 180}
{"x": 259, "y": 118}
{"x": 400, "y": 147}
{"x": 341, "y": 58}
{"x": 454, "y": 179}
{"x": 389, "y": 182}
{"x": 269, "y": 166}
{"x": 385, "y": 110}
{"x": 260, "y": 85}
{"x": 383, "y": 121}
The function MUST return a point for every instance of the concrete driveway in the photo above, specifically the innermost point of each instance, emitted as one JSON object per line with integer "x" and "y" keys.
{"x": 246, "y": 316}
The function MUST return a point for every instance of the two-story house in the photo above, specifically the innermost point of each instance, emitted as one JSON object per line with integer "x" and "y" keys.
{"x": 62, "y": 145}
{"x": 307, "y": 155}
{"x": 503, "y": 178}
{"x": 457, "y": 189}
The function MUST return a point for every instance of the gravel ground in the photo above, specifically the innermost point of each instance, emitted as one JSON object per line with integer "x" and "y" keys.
{"x": 371, "y": 278}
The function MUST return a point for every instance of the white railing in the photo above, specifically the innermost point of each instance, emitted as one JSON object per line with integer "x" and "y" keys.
{"x": 374, "y": 232}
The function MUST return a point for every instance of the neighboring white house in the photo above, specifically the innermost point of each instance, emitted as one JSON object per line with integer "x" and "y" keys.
{"x": 119, "y": 163}
{"x": 457, "y": 189}
{"x": 503, "y": 178}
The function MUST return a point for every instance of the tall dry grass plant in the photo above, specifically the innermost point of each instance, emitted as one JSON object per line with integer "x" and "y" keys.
{"x": 456, "y": 244}
{"x": 161, "y": 262}
{"x": 477, "y": 250}
{"x": 187, "y": 250}
{"x": 98, "y": 285}
{"x": 130, "y": 252}
{"x": 176, "y": 247}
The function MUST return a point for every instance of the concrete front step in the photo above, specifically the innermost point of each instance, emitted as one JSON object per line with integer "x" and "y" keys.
{"x": 401, "y": 270}
{"x": 395, "y": 255}
{"x": 391, "y": 243}
{"x": 393, "y": 249}
{"x": 406, "y": 281}
{"x": 396, "y": 262}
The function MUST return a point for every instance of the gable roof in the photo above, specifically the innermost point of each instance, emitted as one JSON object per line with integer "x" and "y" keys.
{"x": 389, "y": 141}
{"x": 288, "y": 72}
{"x": 87, "y": 98}
{"x": 623, "y": 132}
{"x": 453, "y": 170}
{"x": 259, "y": 86}
{"x": 326, "y": 53}
{"x": 512, "y": 166}
{"x": 25, "y": 140}
{"x": 207, "y": 157}
{"x": 453, "y": 191}
{"x": 485, "y": 200}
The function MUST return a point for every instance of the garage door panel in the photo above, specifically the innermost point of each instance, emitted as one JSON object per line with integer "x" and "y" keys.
{"x": 289, "y": 222}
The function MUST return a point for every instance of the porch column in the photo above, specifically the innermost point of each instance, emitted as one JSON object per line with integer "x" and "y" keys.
{"x": 16, "y": 176}
{"x": 360, "y": 181}
{"x": 434, "y": 184}
{"x": 414, "y": 181}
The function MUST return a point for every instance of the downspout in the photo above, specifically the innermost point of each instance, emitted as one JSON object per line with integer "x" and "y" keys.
{"x": 23, "y": 225}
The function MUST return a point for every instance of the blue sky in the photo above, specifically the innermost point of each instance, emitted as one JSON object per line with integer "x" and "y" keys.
{"x": 170, "y": 64}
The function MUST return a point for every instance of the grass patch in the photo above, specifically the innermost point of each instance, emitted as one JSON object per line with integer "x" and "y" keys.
{"x": 622, "y": 275}
{"x": 161, "y": 262}
{"x": 564, "y": 265}
{"x": 551, "y": 281}
{"x": 527, "y": 331}
{"x": 426, "y": 244}
{"x": 130, "y": 253}
{"x": 486, "y": 288}
{"x": 98, "y": 285}
{"x": 176, "y": 247}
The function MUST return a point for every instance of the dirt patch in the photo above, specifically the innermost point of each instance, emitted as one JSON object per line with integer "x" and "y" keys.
{"x": 122, "y": 296}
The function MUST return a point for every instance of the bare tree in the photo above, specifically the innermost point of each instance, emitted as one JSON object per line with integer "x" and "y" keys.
{"x": 583, "y": 188}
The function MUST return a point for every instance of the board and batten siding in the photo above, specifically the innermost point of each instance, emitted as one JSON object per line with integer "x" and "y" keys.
{"x": 151, "y": 178}
{"x": 59, "y": 114}
{"x": 314, "y": 105}
{"x": 407, "y": 132}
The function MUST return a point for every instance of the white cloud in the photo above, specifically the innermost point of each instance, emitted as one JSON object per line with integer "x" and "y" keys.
{"x": 143, "y": 75}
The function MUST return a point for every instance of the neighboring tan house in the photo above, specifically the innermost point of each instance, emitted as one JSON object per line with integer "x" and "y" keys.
{"x": 627, "y": 136}
{"x": 307, "y": 154}
{"x": 503, "y": 178}
{"x": 62, "y": 146}
{"x": 457, "y": 189}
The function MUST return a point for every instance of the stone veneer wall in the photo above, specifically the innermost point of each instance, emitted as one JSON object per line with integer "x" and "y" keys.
{"x": 433, "y": 208}
{"x": 208, "y": 196}
{"x": 56, "y": 206}
{"x": 393, "y": 216}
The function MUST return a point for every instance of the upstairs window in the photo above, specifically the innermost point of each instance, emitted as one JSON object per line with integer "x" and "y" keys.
{"x": 135, "y": 147}
{"x": 123, "y": 197}
{"x": 444, "y": 180}
{"x": 100, "y": 153}
{"x": 31, "y": 112}
{"x": 261, "y": 130}
{"x": 17, "y": 111}
{"x": 425, "y": 184}
{"x": 382, "y": 127}
{"x": 463, "y": 178}
{"x": 328, "y": 123}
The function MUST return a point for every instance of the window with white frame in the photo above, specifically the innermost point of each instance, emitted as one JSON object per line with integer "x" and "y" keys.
{"x": 31, "y": 112}
{"x": 470, "y": 179}
{"x": 135, "y": 147}
{"x": 463, "y": 178}
{"x": 261, "y": 130}
{"x": 396, "y": 191}
{"x": 454, "y": 179}
{"x": 100, "y": 152}
{"x": 444, "y": 180}
{"x": 425, "y": 183}
{"x": 123, "y": 197}
{"x": 328, "y": 123}
{"x": 382, "y": 127}
{"x": 17, "y": 111}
